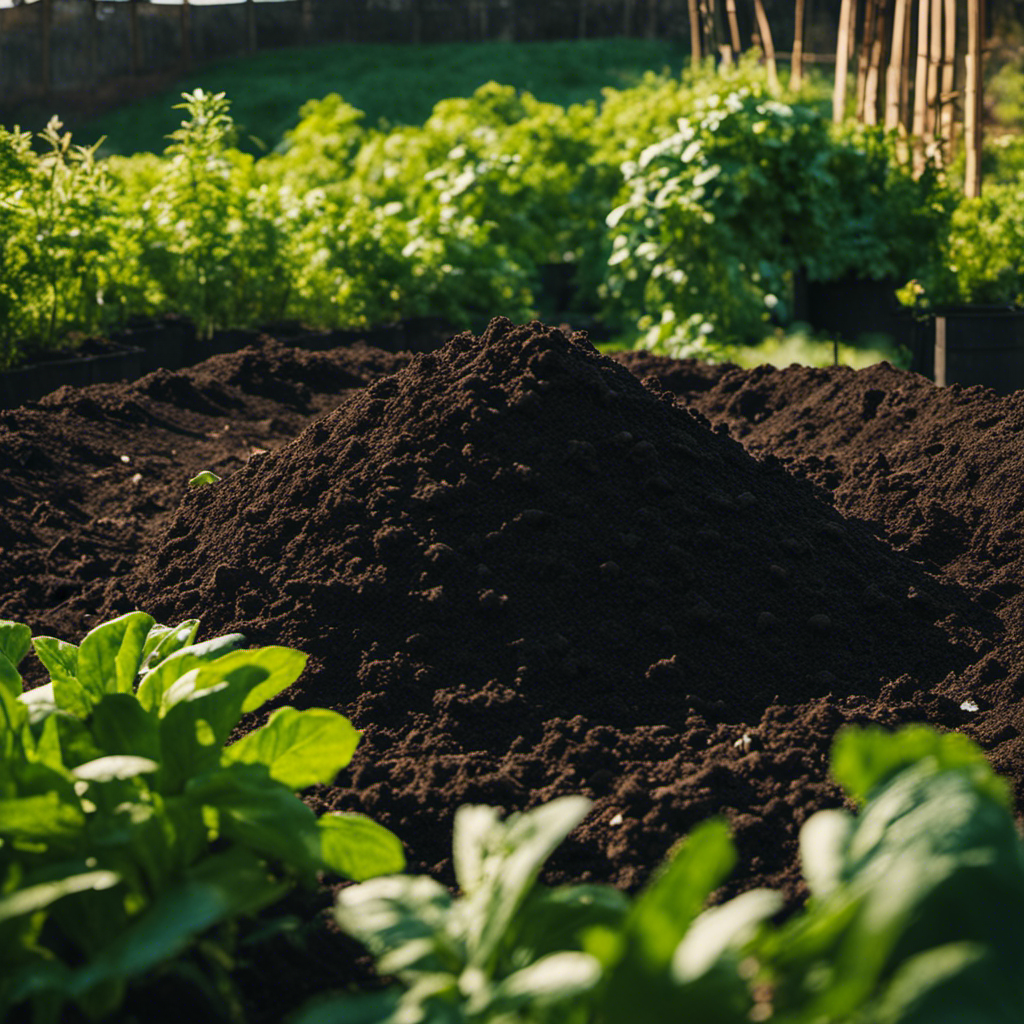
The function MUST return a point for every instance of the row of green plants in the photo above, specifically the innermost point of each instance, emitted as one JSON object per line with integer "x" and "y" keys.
{"x": 135, "y": 838}
{"x": 683, "y": 208}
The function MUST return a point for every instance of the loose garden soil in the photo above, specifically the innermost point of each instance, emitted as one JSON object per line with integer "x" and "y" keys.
{"x": 525, "y": 569}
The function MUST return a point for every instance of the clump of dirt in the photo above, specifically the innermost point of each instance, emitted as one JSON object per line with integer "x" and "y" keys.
{"x": 524, "y": 572}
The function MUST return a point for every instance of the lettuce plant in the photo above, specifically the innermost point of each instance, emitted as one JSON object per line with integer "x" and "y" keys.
{"x": 130, "y": 828}
{"x": 916, "y": 915}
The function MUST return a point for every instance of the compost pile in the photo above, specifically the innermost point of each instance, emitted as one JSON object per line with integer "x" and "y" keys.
{"x": 525, "y": 569}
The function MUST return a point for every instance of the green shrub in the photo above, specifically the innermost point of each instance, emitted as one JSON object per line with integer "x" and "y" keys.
{"x": 132, "y": 834}
{"x": 56, "y": 214}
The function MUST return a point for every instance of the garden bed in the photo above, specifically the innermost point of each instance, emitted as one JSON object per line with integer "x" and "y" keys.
{"x": 524, "y": 569}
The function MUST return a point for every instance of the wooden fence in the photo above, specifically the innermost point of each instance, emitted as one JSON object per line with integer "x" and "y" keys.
{"x": 52, "y": 47}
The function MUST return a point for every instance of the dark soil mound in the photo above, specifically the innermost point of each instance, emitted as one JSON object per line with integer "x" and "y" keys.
{"x": 523, "y": 572}
{"x": 88, "y": 475}
{"x": 937, "y": 472}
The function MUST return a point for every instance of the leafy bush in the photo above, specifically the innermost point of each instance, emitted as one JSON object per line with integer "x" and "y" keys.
{"x": 916, "y": 915}
{"x": 130, "y": 828}
{"x": 56, "y": 212}
{"x": 983, "y": 258}
{"x": 720, "y": 215}
{"x": 212, "y": 239}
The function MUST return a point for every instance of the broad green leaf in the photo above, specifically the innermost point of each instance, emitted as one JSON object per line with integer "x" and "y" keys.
{"x": 660, "y": 918}
{"x": 824, "y": 842}
{"x": 558, "y": 919}
{"x": 175, "y": 920}
{"x": 61, "y": 661}
{"x": 721, "y": 929}
{"x": 194, "y": 730}
{"x": 387, "y": 1007}
{"x": 120, "y": 726}
{"x": 163, "y": 641}
{"x": 937, "y": 987}
{"x": 300, "y": 748}
{"x": 503, "y": 861}
{"x": 44, "y": 817}
{"x": 110, "y": 655}
{"x": 39, "y": 897}
{"x": 114, "y": 766}
{"x": 15, "y": 640}
{"x": 551, "y": 980}
{"x": 864, "y": 759}
{"x": 358, "y": 848}
{"x": 261, "y": 814}
{"x": 40, "y": 701}
{"x": 14, "y": 717}
{"x": 282, "y": 665}
{"x": 391, "y": 914}
{"x": 204, "y": 478}
{"x": 154, "y": 684}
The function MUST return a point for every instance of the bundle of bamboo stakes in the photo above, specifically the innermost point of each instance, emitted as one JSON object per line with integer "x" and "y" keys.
{"x": 935, "y": 107}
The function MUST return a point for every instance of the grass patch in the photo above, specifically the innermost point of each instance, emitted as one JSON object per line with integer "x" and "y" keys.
{"x": 393, "y": 84}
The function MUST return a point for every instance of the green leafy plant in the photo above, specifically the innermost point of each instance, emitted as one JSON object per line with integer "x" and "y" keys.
{"x": 212, "y": 238}
{"x": 916, "y": 915}
{"x": 982, "y": 261}
{"x": 132, "y": 834}
{"x": 56, "y": 211}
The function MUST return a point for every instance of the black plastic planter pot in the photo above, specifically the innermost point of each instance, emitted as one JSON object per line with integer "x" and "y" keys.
{"x": 980, "y": 345}
{"x": 850, "y": 309}
{"x": 121, "y": 363}
{"x": 29, "y": 383}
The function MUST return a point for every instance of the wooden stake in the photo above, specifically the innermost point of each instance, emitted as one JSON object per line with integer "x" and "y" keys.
{"x": 864, "y": 56}
{"x": 894, "y": 72}
{"x": 768, "y": 45}
{"x": 695, "y": 33}
{"x": 734, "y": 25}
{"x": 921, "y": 83}
{"x": 847, "y": 13}
{"x": 972, "y": 98}
{"x": 796, "y": 61}
{"x": 947, "y": 116}
{"x": 875, "y": 63}
{"x": 934, "y": 71}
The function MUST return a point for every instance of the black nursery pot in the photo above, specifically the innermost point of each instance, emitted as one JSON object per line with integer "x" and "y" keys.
{"x": 982, "y": 345}
{"x": 850, "y": 308}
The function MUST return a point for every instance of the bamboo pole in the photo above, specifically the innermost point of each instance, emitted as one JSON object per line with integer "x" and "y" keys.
{"x": 972, "y": 99}
{"x": 768, "y": 45}
{"x": 695, "y": 33}
{"x": 904, "y": 113}
{"x": 947, "y": 116}
{"x": 871, "y": 92}
{"x": 796, "y": 61}
{"x": 921, "y": 84}
{"x": 864, "y": 56}
{"x": 847, "y": 13}
{"x": 934, "y": 71}
{"x": 734, "y": 25}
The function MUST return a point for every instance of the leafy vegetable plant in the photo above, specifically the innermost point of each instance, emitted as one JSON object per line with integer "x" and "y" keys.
{"x": 130, "y": 827}
{"x": 916, "y": 915}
